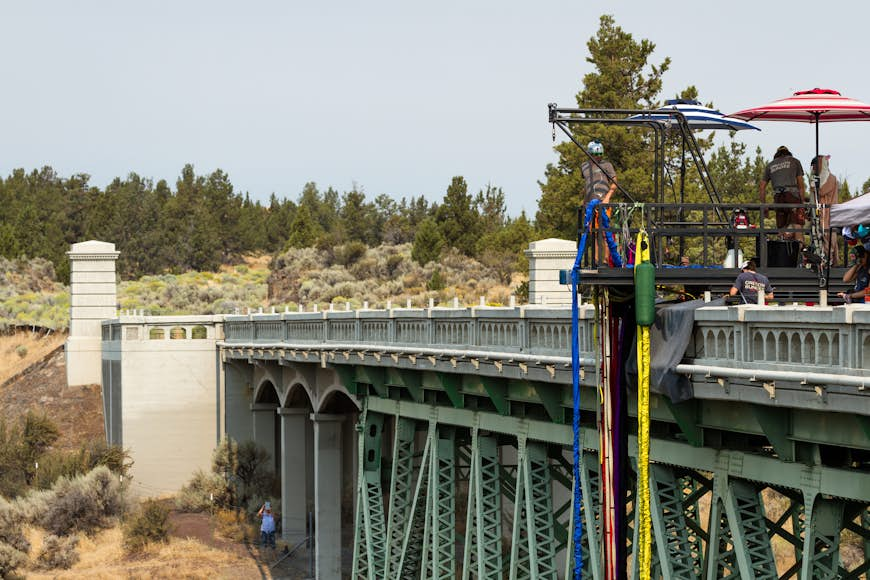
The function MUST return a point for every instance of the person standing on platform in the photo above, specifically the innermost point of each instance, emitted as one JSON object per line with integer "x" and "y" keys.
{"x": 786, "y": 176}
{"x": 749, "y": 283}
{"x": 600, "y": 178}
{"x": 829, "y": 189}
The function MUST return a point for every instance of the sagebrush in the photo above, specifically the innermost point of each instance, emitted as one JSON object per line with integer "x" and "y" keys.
{"x": 149, "y": 525}
{"x": 58, "y": 552}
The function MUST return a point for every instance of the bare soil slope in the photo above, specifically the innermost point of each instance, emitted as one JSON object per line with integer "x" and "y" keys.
{"x": 41, "y": 387}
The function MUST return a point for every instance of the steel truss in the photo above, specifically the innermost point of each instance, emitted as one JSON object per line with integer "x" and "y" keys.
{"x": 514, "y": 527}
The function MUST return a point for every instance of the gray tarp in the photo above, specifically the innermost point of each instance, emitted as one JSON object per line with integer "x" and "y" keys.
{"x": 852, "y": 212}
{"x": 669, "y": 338}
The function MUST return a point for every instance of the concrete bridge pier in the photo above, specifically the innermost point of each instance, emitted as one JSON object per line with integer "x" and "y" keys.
{"x": 264, "y": 429}
{"x": 295, "y": 487}
{"x": 327, "y": 494}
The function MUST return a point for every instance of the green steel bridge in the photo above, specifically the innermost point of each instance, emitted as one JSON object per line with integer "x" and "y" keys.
{"x": 462, "y": 466}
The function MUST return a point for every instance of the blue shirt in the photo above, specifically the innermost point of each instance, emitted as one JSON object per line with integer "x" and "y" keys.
{"x": 862, "y": 279}
{"x": 268, "y": 524}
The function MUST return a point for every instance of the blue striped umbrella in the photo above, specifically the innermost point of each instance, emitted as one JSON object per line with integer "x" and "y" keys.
{"x": 698, "y": 116}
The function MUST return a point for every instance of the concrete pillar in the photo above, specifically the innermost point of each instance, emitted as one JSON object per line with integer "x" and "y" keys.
{"x": 238, "y": 418}
{"x": 93, "y": 292}
{"x": 264, "y": 427}
{"x": 546, "y": 259}
{"x": 294, "y": 473}
{"x": 327, "y": 495}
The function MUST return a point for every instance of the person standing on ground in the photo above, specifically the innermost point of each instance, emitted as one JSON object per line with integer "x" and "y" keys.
{"x": 749, "y": 283}
{"x": 267, "y": 526}
{"x": 861, "y": 276}
{"x": 786, "y": 176}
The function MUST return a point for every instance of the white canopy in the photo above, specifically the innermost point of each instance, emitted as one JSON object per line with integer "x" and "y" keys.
{"x": 855, "y": 211}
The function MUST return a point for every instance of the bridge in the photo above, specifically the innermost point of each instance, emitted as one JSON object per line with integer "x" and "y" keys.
{"x": 462, "y": 461}
{"x": 437, "y": 442}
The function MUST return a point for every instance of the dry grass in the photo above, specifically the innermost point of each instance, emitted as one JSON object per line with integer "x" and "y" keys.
{"x": 37, "y": 344}
{"x": 103, "y": 557}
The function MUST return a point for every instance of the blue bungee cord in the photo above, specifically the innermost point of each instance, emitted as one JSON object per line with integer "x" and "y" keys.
{"x": 575, "y": 368}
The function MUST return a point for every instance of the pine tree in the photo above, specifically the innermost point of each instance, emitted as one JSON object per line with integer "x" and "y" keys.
{"x": 622, "y": 78}
{"x": 428, "y": 243}
{"x": 458, "y": 219}
{"x": 303, "y": 231}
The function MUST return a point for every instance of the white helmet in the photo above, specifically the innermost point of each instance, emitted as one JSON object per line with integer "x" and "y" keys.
{"x": 595, "y": 148}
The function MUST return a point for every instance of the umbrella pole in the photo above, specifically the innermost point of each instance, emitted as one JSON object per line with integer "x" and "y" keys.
{"x": 816, "y": 177}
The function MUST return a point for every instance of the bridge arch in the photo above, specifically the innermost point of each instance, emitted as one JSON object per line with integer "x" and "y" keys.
{"x": 298, "y": 396}
{"x": 337, "y": 399}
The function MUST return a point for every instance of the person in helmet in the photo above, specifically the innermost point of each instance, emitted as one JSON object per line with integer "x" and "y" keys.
{"x": 786, "y": 176}
{"x": 600, "y": 177}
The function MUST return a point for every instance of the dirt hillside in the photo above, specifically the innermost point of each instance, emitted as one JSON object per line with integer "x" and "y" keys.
{"x": 41, "y": 386}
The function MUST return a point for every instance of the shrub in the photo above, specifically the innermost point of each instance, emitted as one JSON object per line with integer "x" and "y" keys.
{"x": 233, "y": 525}
{"x": 246, "y": 468}
{"x": 148, "y": 526}
{"x": 12, "y": 528}
{"x": 21, "y": 446}
{"x": 10, "y": 559}
{"x": 203, "y": 492}
{"x": 350, "y": 253}
{"x": 21, "y": 351}
{"x": 58, "y": 552}
{"x": 83, "y": 504}
{"x": 436, "y": 281}
{"x": 71, "y": 464}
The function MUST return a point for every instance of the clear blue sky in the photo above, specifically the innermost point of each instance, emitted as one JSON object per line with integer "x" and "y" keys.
{"x": 396, "y": 96}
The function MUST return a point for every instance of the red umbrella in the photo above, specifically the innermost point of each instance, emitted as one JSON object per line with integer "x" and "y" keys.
{"x": 813, "y": 106}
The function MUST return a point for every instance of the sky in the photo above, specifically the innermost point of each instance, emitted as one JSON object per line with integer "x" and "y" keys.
{"x": 392, "y": 97}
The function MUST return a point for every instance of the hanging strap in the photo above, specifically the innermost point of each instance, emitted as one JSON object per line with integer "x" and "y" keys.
{"x": 643, "y": 518}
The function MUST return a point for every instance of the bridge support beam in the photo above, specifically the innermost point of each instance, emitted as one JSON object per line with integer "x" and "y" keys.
{"x": 533, "y": 548}
{"x": 294, "y": 474}
{"x": 370, "y": 533}
{"x": 483, "y": 557}
{"x": 822, "y": 539}
{"x": 327, "y": 495}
